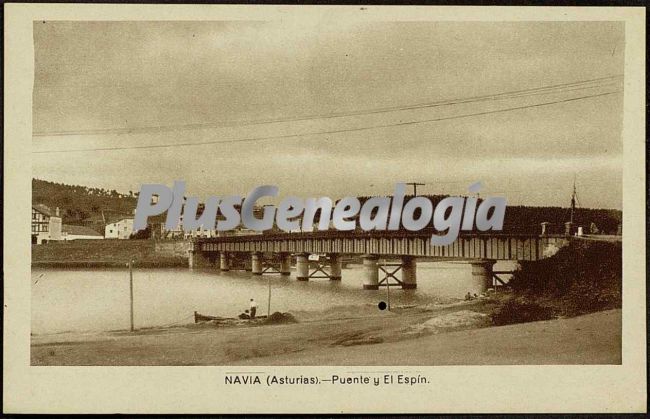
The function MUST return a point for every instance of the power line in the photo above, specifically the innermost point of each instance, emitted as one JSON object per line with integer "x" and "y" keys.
{"x": 337, "y": 131}
{"x": 544, "y": 90}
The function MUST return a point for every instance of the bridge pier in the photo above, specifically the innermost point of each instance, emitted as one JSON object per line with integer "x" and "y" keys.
{"x": 256, "y": 263}
{"x": 481, "y": 276}
{"x": 409, "y": 278}
{"x": 479, "y": 250}
{"x": 335, "y": 266}
{"x": 370, "y": 272}
{"x": 197, "y": 259}
{"x": 302, "y": 267}
{"x": 285, "y": 264}
{"x": 224, "y": 262}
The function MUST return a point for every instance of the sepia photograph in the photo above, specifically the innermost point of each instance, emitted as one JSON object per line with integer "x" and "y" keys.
{"x": 328, "y": 192}
{"x": 533, "y": 111}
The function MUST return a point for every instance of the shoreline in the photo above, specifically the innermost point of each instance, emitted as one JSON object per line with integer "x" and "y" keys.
{"x": 335, "y": 313}
{"x": 110, "y": 253}
{"x": 79, "y": 264}
{"x": 345, "y": 340}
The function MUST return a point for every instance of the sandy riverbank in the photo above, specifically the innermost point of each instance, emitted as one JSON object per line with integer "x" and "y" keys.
{"x": 457, "y": 334}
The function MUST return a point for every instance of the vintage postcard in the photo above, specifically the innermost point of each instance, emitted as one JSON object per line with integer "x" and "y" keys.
{"x": 283, "y": 209}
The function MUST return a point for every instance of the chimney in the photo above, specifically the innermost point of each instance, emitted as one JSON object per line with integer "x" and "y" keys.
{"x": 57, "y": 211}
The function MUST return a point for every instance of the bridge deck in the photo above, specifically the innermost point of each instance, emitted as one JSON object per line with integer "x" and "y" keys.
{"x": 467, "y": 246}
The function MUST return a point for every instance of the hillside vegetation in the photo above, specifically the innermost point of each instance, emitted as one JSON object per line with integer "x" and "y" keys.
{"x": 78, "y": 203}
{"x": 583, "y": 277}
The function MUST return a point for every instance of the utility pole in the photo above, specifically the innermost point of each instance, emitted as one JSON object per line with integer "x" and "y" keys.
{"x": 131, "y": 291}
{"x": 415, "y": 186}
{"x": 268, "y": 309}
{"x": 573, "y": 199}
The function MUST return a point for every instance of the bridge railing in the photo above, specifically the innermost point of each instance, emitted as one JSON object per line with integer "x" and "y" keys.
{"x": 357, "y": 234}
{"x": 416, "y": 244}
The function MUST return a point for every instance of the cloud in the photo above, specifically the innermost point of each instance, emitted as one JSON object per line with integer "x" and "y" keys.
{"x": 93, "y": 75}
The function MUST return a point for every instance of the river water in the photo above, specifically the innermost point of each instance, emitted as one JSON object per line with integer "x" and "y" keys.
{"x": 85, "y": 300}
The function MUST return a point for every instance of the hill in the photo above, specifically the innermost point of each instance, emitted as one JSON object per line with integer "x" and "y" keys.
{"x": 80, "y": 204}
{"x": 83, "y": 205}
{"x": 528, "y": 219}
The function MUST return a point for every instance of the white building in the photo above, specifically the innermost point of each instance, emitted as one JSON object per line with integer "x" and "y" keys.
{"x": 46, "y": 225}
{"x": 121, "y": 229}
{"x": 71, "y": 232}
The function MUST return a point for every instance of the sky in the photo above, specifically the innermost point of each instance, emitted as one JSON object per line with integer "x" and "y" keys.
{"x": 119, "y": 104}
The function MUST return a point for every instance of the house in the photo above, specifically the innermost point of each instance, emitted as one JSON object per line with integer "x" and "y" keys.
{"x": 121, "y": 229}
{"x": 72, "y": 232}
{"x": 46, "y": 224}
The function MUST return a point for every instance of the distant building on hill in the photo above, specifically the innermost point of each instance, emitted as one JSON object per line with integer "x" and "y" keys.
{"x": 72, "y": 232}
{"x": 46, "y": 224}
{"x": 120, "y": 229}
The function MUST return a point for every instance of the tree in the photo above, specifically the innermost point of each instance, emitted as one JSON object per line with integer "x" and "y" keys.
{"x": 141, "y": 234}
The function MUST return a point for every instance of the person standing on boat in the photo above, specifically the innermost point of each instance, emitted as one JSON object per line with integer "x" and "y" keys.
{"x": 253, "y": 308}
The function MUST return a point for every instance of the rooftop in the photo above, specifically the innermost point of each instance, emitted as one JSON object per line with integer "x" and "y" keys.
{"x": 79, "y": 230}
{"x": 44, "y": 209}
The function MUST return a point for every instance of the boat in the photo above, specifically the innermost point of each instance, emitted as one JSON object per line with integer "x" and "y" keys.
{"x": 203, "y": 318}
{"x": 198, "y": 317}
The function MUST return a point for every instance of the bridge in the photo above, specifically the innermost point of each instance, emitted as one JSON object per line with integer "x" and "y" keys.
{"x": 384, "y": 254}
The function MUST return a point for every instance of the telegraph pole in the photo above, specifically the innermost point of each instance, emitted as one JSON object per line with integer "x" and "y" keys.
{"x": 268, "y": 309}
{"x": 573, "y": 199}
{"x": 415, "y": 186}
{"x": 131, "y": 291}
